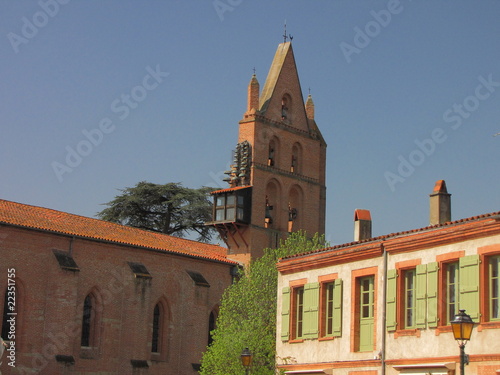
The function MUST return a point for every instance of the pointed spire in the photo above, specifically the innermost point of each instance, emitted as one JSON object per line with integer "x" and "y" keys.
{"x": 310, "y": 107}
{"x": 253, "y": 94}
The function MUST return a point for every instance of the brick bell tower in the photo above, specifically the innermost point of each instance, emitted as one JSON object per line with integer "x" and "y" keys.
{"x": 277, "y": 179}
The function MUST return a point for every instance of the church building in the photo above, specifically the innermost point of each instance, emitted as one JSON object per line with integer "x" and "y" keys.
{"x": 277, "y": 179}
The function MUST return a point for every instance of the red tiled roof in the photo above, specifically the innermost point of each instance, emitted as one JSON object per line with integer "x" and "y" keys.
{"x": 456, "y": 223}
{"x": 229, "y": 189}
{"x": 64, "y": 223}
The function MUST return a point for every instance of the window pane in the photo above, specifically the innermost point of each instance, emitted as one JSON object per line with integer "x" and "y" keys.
{"x": 230, "y": 214}
{"x": 452, "y": 290}
{"x": 328, "y": 301}
{"x": 220, "y": 201}
{"x": 365, "y": 312}
{"x": 410, "y": 276}
{"x": 366, "y": 298}
{"x": 241, "y": 200}
{"x": 299, "y": 311}
{"x": 240, "y": 213}
{"x": 230, "y": 200}
{"x": 219, "y": 214}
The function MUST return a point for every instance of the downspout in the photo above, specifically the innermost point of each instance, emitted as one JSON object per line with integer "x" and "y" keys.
{"x": 71, "y": 246}
{"x": 384, "y": 312}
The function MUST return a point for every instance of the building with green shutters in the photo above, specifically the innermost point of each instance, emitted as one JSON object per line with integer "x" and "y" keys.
{"x": 383, "y": 305}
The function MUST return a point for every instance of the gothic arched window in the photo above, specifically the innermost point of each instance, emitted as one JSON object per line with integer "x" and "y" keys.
{"x": 88, "y": 320}
{"x": 211, "y": 326}
{"x": 157, "y": 322}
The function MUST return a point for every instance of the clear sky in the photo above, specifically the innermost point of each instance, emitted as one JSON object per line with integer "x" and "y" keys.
{"x": 99, "y": 95}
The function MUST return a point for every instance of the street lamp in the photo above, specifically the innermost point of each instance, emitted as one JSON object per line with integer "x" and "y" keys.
{"x": 462, "y": 325}
{"x": 246, "y": 359}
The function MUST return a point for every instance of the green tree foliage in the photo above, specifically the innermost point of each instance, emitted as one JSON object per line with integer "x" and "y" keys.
{"x": 170, "y": 209}
{"x": 247, "y": 317}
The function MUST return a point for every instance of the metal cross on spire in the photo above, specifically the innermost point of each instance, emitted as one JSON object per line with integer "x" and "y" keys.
{"x": 285, "y": 37}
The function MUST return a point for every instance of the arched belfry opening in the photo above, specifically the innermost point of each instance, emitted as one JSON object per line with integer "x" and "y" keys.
{"x": 296, "y": 158}
{"x": 286, "y": 107}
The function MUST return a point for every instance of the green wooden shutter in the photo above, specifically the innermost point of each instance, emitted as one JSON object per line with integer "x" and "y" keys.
{"x": 421, "y": 296}
{"x": 469, "y": 285}
{"x": 311, "y": 311}
{"x": 285, "y": 314}
{"x": 391, "y": 312}
{"x": 432, "y": 294}
{"x": 337, "y": 308}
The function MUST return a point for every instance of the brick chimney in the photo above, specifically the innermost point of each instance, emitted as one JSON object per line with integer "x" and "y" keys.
{"x": 362, "y": 225}
{"x": 440, "y": 204}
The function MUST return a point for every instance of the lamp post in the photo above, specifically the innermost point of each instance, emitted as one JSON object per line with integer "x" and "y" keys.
{"x": 246, "y": 359}
{"x": 462, "y": 325}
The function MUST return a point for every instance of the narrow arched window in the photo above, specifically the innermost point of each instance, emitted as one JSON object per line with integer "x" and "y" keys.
{"x": 211, "y": 327}
{"x": 5, "y": 317}
{"x": 87, "y": 320}
{"x": 296, "y": 158}
{"x": 271, "y": 156}
{"x": 155, "y": 341}
{"x": 284, "y": 108}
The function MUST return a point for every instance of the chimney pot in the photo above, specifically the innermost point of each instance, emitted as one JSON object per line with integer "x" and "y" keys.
{"x": 440, "y": 204}
{"x": 362, "y": 225}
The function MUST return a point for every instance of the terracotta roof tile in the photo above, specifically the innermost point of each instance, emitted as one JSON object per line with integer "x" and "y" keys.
{"x": 229, "y": 189}
{"x": 64, "y": 223}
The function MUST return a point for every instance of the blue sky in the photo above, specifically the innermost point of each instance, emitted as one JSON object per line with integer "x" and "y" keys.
{"x": 405, "y": 92}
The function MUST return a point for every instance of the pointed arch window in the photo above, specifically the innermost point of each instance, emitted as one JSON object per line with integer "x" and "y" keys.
{"x": 91, "y": 319}
{"x": 211, "y": 326}
{"x": 272, "y": 197}
{"x": 159, "y": 333}
{"x": 88, "y": 320}
{"x": 5, "y": 316}
{"x": 271, "y": 156}
{"x": 157, "y": 321}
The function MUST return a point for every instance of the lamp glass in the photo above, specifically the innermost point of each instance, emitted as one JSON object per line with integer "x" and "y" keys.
{"x": 246, "y": 357}
{"x": 462, "y": 325}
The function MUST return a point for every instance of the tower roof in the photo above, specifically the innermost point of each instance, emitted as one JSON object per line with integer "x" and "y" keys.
{"x": 284, "y": 50}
